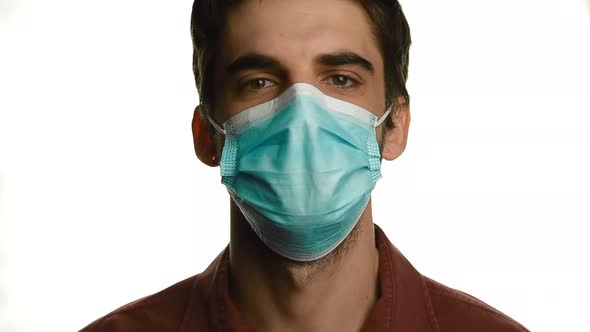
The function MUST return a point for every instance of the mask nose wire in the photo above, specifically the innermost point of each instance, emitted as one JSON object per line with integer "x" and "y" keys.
{"x": 380, "y": 121}
{"x": 217, "y": 127}
{"x": 222, "y": 131}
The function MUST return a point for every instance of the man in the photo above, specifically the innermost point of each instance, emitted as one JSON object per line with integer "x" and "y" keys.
{"x": 300, "y": 102}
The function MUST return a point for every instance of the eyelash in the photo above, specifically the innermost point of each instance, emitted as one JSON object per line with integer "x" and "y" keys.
{"x": 246, "y": 86}
{"x": 354, "y": 82}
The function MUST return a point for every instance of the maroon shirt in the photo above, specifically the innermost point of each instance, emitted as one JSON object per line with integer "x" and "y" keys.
{"x": 409, "y": 302}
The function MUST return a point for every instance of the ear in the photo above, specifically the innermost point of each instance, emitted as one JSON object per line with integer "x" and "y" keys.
{"x": 204, "y": 147}
{"x": 395, "y": 139}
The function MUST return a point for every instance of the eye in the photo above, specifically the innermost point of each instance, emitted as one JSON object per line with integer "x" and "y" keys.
{"x": 258, "y": 84}
{"x": 342, "y": 81}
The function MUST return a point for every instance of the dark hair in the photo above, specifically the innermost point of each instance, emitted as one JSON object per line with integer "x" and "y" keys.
{"x": 388, "y": 23}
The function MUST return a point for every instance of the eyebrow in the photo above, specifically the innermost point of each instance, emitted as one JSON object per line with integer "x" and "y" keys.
{"x": 345, "y": 58}
{"x": 251, "y": 61}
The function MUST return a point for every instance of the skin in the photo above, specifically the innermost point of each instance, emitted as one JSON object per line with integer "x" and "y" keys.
{"x": 335, "y": 293}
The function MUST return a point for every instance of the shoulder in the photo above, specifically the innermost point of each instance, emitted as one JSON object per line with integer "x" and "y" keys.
{"x": 162, "y": 311}
{"x": 457, "y": 311}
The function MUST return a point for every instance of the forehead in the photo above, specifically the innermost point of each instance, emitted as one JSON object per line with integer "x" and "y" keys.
{"x": 297, "y": 29}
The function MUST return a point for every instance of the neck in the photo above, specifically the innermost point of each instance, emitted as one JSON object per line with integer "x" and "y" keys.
{"x": 335, "y": 293}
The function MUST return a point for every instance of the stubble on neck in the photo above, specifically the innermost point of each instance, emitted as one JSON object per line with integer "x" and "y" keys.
{"x": 247, "y": 248}
{"x": 271, "y": 290}
{"x": 302, "y": 273}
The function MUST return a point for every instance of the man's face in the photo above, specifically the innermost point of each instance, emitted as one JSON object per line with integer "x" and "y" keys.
{"x": 268, "y": 45}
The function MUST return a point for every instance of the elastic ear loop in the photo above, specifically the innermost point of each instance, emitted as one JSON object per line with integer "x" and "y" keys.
{"x": 217, "y": 127}
{"x": 380, "y": 121}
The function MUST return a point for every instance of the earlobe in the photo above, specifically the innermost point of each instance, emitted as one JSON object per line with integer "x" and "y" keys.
{"x": 395, "y": 139}
{"x": 204, "y": 147}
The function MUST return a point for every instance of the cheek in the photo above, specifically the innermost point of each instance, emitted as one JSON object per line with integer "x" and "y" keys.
{"x": 219, "y": 141}
{"x": 379, "y": 132}
{"x": 374, "y": 98}
{"x": 377, "y": 104}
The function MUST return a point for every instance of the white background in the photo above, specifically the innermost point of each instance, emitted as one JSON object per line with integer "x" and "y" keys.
{"x": 102, "y": 200}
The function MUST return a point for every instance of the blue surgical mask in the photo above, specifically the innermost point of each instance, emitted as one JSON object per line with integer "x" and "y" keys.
{"x": 301, "y": 168}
